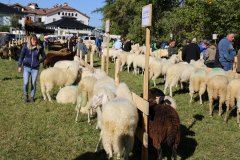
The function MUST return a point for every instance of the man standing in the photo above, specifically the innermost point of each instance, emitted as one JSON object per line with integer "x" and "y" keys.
{"x": 226, "y": 52}
{"x": 191, "y": 51}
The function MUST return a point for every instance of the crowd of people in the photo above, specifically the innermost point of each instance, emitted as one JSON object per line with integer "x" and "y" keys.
{"x": 222, "y": 55}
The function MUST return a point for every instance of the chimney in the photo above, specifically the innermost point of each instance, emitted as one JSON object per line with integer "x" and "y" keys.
{"x": 65, "y": 4}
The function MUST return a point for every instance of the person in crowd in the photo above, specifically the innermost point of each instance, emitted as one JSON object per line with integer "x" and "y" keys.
{"x": 210, "y": 55}
{"x": 163, "y": 45}
{"x": 99, "y": 43}
{"x": 117, "y": 44}
{"x": 172, "y": 49}
{"x": 226, "y": 52}
{"x": 29, "y": 58}
{"x": 128, "y": 45}
{"x": 46, "y": 43}
{"x": 191, "y": 51}
{"x": 41, "y": 39}
{"x": 154, "y": 45}
{"x": 82, "y": 47}
{"x": 203, "y": 48}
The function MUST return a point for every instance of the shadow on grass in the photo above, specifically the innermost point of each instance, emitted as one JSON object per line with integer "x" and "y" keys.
{"x": 101, "y": 155}
{"x": 11, "y": 78}
{"x": 188, "y": 144}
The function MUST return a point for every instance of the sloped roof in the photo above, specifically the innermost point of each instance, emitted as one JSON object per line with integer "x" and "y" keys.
{"x": 46, "y": 11}
{"x": 68, "y": 22}
{"x": 5, "y": 9}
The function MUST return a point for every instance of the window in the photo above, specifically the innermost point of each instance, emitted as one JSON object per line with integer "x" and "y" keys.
{"x": 39, "y": 19}
{"x": 72, "y": 14}
{"x": 62, "y": 13}
{"x": 54, "y": 19}
{"x": 93, "y": 38}
{"x": 58, "y": 13}
{"x": 76, "y": 14}
{"x": 65, "y": 14}
{"x": 68, "y": 14}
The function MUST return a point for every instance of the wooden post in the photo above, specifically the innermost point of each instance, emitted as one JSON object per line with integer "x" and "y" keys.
{"x": 86, "y": 58}
{"x": 80, "y": 54}
{"x": 91, "y": 59}
{"x": 146, "y": 22}
{"x": 102, "y": 62}
{"x": 9, "y": 51}
{"x": 108, "y": 38}
{"x": 107, "y": 59}
{"x": 117, "y": 70}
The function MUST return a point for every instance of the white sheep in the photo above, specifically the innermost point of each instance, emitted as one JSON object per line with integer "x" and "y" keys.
{"x": 139, "y": 61}
{"x": 217, "y": 87}
{"x": 174, "y": 75}
{"x": 155, "y": 69}
{"x": 54, "y": 76}
{"x": 84, "y": 95}
{"x": 130, "y": 59}
{"x": 238, "y": 109}
{"x": 232, "y": 95}
{"x": 119, "y": 122}
{"x": 168, "y": 63}
{"x": 104, "y": 90}
{"x": 198, "y": 81}
{"x": 67, "y": 94}
{"x": 66, "y": 64}
{"x": 123, "y": 59}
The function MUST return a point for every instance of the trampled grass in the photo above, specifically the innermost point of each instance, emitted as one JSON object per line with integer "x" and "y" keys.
{"x": 44, "y": 130}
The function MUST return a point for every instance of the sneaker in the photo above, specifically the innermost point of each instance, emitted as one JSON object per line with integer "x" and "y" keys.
{"x": 26, "y": 99}
{"x": 32, "y": 99}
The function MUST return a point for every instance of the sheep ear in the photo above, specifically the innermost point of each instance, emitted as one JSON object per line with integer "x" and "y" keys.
{"x": 104, "y": 99}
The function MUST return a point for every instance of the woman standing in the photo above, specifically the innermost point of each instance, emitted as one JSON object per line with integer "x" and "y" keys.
{"x": 29, "y": 57}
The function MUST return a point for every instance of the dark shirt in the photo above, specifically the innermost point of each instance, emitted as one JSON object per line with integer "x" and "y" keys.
{"x": 172, "y": 50}
{"x": 127, "y": 46}
{"x": 191, "y": 51}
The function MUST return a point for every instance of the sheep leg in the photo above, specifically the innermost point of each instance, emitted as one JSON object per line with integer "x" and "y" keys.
{"x": 174, "y": 153}
{"x": 170, "y": 88}
{"x": 210, "y": 106}
{"x": 191, "y": 96}
{"x": 238, "y": 116}
{"x": 200, "y": 97}
{"x": 43, "y": 92}
{"x": 99, "y": 143}
{"x": 201, "y": 91}
{"x": 165, "y": 87}
{"x": 220, "y": 108}
{"x": 160, "y": 153}
{"x": 48, "y": 95}
{"x": 88, "y": 105}
{"x": 76, "y": 119}
{"x": 227, "y": 113}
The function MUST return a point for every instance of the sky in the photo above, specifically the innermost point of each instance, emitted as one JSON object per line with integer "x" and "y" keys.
{"x": 84, "y": 6}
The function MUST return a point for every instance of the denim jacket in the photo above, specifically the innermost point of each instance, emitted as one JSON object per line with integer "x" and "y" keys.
{"x": 30, "y": 57}
{"x": 226, "y": 51}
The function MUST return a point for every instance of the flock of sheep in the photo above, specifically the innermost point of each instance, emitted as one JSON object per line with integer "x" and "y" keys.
{"x": 117, "y": 115}
{"x": 221, "y": 85}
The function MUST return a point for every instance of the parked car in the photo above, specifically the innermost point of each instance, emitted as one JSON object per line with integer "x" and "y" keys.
{"x": 89, "y": 38}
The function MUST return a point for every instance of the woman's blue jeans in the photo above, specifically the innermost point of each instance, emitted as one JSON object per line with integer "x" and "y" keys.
{"x": 27, "y": 72}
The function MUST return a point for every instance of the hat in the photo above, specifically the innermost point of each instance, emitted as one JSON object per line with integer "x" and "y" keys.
{"x": 194, "y": 40}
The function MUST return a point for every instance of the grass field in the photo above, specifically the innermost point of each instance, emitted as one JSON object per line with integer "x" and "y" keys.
{"x": 44, "y": 130}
